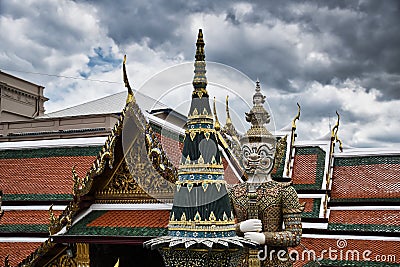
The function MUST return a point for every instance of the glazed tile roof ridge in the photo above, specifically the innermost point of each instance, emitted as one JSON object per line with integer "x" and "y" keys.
{"x": 111, "y": 104}
{"x": 69, "y": 142}
{"x": 32, "y": 207}
{"x": 373, "y": 151}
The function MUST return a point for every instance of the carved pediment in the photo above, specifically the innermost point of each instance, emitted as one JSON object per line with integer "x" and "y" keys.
{"x": 135, "y": 179}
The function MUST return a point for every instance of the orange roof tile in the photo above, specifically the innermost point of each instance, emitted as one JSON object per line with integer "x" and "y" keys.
{"x": 309, "y": 207}
{"x": 17, "y": 251}
{"x": 366, "y": 181}
{"x": 384, "y": 217}
{"x": 172, "y": 148}
{"x": 229, "y": 175}
{"x": 47, "y": 175}
{"x": 304, "y": 169}
{"x": 13, "y": 217}
{"x": 133, "y": 218}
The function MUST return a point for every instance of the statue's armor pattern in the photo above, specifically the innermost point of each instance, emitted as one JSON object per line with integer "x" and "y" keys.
{"x": 277, "y": 203}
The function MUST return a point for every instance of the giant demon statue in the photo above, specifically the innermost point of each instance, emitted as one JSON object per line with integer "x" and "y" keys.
{"x": 261, "y": 205}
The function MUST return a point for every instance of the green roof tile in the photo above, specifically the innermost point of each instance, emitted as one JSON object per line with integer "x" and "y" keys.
{"x": 82, "y": 228}
{"x": 315, "y": 211}
{"x": 50, "y": 152}
{"x": 36, "y": 197}
{"x": 24, "y": 228}
{"x": 370, "y": 160}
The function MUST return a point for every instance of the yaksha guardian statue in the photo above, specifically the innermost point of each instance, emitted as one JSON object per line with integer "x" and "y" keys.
{"x": 261, "y": 205}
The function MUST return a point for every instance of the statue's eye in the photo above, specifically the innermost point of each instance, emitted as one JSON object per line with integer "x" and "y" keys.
{"x": 263, "y": 153}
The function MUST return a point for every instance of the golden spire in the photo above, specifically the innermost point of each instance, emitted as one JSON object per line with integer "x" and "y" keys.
{"x": 217, "y": 125}
{"x": 130, "y": 96}
{"x": 228, "y": 116}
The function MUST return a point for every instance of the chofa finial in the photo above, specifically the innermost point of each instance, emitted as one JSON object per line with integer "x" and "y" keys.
{"x": 130, "y": 96}
{"x": 217, "y": 125}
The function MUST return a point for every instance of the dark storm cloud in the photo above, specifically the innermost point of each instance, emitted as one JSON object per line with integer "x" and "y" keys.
{"x": 365, "y": 37}
{"x": 152, "y": 21}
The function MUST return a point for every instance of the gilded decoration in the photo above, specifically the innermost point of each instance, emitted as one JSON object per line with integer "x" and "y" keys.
{"x": 136, "y": 179}
{"x": 158, "y": 157}
{"x": 334, "y": 139}
{"x": 64, "y": 261}
{"x": 37, "y": 254}
{"x": 280, "y": 151}
{"x": 76, "y": 255}
{"x": 292, "y": 139}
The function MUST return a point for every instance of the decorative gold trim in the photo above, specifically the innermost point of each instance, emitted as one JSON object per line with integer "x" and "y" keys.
{"x": 38, "y": 253}
{"x": 1, "y": 200}
{"x": 217, "y": 125}
{"x": 334, "y": 139}
{"x": 211, "y": 228}
{"x": 202, "y": 116}
{"x": 334, "y": 133}
{"x": 200, "y": 130}
{"x": 185, "y": 222}
{"x": 82, "y": 255}
{"x": 201, "y": 165}
{"x": 292, "y": 139}
{"x": 280, "y": 151}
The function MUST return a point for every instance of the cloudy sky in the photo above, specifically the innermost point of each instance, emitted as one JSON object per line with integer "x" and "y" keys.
{"x": 326, "y": 55}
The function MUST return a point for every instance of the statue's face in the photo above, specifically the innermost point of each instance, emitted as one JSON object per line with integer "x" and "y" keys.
{"x": 258, "y": 158}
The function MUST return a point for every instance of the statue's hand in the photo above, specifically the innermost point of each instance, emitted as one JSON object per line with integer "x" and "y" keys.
{"x": 251, "y": 225}
{"x": 259, "y": 238}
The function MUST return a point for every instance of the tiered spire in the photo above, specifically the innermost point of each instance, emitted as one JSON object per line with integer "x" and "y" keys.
{"x": 201, "y": 215}
{"x": 200, "y": 111}
{"x": 201, "y": 204}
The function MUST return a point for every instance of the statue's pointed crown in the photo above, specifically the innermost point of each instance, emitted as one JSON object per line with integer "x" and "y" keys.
{"x": 258, "y": 116}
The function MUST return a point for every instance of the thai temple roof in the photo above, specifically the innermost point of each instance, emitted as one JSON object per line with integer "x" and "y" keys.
{"x": 107, "y": 104}
{"x": 352, "y": 195}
